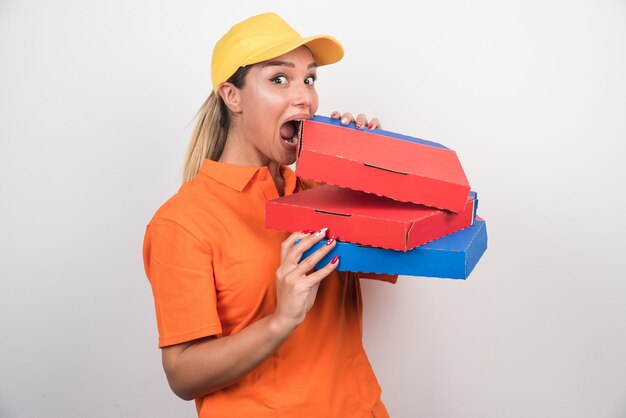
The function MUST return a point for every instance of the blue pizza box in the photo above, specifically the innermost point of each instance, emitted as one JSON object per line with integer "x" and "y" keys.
{"x": 453, "y": 256}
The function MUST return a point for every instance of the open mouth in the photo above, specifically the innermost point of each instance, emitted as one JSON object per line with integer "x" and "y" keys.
{"x": 290, "y": 132}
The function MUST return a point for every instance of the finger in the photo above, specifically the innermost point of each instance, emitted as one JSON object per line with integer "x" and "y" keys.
{"x": 308, "y": 263}
{"x": 322, "y": 273}
{"x": 294, "y": 257}
{"x": 290, "y": 242}
{"x": 295, "y": 253}
{"x": 361, "y": 121}
{"x": 346, "y": 118}
{"x": 335, "y": 115}
{"x": 374, "y": 124}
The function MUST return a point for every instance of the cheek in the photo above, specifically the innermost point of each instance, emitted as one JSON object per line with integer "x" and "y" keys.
{"x": 264, "y": 95}
{"x": 259, "y": 106}
{"x": 269, "y": 105}
{"x": 314, "y": 102}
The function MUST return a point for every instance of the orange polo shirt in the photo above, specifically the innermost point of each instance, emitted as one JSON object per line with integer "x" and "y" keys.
{"x": 211, "y": 264}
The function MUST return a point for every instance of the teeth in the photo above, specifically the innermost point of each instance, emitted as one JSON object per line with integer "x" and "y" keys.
{"x": 297, "y": 124}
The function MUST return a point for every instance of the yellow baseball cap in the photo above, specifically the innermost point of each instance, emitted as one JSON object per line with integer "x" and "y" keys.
{"x": 263, "y": 37}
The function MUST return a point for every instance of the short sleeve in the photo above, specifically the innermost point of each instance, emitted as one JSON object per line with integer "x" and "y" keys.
{"x": 180, "y": 269}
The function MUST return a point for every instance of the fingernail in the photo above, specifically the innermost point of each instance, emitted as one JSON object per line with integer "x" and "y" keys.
{"x": 334, "y": 114}
{"x": 335, "y": 259}
{"x": 307, "y": 231}
{"x": 331, "y": 240}
{"x": 370, "y": 126}
{"x": 344, "y": 120}
{"x": 359, "y": 125}
{"x": 321, "y": 232}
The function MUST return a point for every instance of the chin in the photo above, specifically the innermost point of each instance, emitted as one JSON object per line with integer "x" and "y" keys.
{"x": 285, "y": 161}
{"x": 290, "y": 160}
{"x": 285, "y": 158}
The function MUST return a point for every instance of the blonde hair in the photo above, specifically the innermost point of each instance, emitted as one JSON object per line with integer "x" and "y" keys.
{"x": 208, "y": 138}
{"x": 211, "y": 130}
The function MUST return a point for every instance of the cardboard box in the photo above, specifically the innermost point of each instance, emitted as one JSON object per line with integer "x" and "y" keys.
{"x": 453, "y": 256}
{"x": 364, "y": 218}
{"x": 381, "y": 162}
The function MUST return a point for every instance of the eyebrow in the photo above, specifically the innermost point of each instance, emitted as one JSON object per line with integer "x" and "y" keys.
{"x": 286, "y": 64}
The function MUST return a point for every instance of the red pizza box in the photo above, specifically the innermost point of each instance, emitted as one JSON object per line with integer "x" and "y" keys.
{"x": 381, "y": 162}
{"x": 366, "y": 219}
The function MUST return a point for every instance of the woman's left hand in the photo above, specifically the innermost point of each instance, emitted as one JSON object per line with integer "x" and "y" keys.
{"x": 360, "y": 120}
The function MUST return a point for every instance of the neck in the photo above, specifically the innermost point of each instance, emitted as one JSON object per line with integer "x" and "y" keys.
{"x": 279, "y": 181}
{"x": 236, "y": 152}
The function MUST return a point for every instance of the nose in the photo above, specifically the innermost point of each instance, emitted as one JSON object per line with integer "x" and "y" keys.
{"x": 302, "y": 96}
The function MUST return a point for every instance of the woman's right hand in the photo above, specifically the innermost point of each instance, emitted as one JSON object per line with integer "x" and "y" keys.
{"x": 195, "y": 368}
{"x": 296, "y": 290}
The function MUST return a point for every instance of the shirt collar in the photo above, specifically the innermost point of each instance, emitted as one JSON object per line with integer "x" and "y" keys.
{"x": 237, "y": 177}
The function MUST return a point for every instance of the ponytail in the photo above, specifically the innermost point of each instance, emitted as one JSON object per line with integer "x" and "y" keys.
{"x": 208, "y": 138}
{"x": 211, "y": 130}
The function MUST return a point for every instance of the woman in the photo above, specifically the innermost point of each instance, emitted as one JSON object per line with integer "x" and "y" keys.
{"x": 246, "y": 328}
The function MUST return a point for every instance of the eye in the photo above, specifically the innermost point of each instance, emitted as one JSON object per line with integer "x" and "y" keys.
{"x": 279, "y": 79}
{"x": 310, "y": 80}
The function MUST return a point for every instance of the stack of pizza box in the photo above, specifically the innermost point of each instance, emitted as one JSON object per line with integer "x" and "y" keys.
{"x": 395, "y": 204}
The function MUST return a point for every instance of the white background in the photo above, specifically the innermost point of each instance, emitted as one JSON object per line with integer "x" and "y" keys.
{"x": 96, "y": 104}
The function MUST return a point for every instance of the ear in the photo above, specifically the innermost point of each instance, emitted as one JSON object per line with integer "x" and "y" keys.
{"x": 231, "y": 96}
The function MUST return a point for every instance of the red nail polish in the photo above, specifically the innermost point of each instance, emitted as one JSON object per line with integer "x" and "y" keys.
{"x": 359, "y": 125}
{"x": 321, "y": 232}
{"x": 307, "y": 231}
{"x": 330, "y": 240}
{"x": 335, "y": 259}
{"x": 370, "y": 126}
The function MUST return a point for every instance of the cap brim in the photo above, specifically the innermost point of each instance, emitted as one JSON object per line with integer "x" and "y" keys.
{"x": 325, "y": 49}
